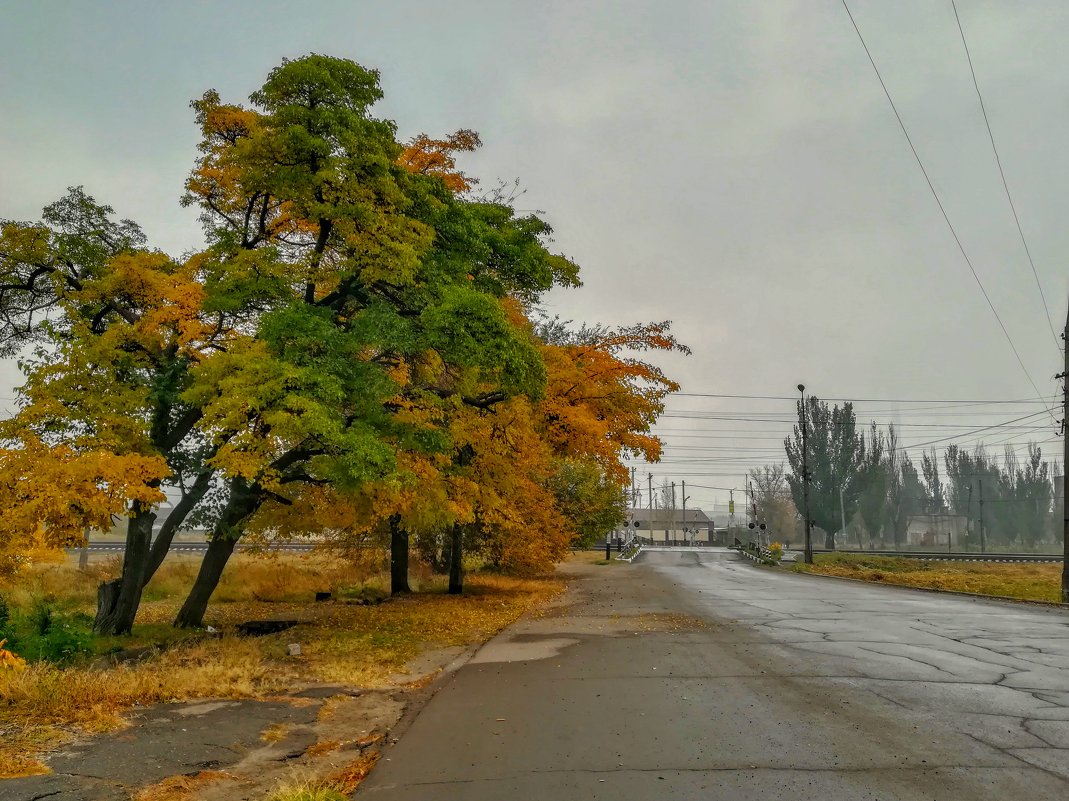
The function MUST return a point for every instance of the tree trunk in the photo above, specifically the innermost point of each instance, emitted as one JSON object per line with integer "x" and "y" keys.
{"x": 243, "y": 500}
{"x": 220, "y": 548}
{"x": 162, "y": 543}
{"x": 117, "y": 600}
{"x": 456, "y": 560}
{"x": 398, "y": 557}
{"x": 829, "y": 540}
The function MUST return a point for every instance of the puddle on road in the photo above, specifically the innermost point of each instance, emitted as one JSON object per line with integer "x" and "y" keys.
{"x": 523, "y": 649}
{"x": 525, "y": 644}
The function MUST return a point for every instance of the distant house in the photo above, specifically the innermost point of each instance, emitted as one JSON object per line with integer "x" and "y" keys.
{"x": 668, "y": 524}
{"x": 936, "y": 530}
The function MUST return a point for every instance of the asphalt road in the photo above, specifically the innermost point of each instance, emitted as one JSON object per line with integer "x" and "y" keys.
{"x": 698, "y": 675}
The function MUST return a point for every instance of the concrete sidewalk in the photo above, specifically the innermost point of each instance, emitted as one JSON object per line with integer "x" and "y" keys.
{"x": 650, "y": 684}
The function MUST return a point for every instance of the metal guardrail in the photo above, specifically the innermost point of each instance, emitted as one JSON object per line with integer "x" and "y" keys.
{"x": 678, "y": 543}
{"x": 963, "y": 556}
{"x": 755, "y": 552}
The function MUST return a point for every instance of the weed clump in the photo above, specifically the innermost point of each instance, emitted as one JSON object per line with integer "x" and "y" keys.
{"x": 44, "y": 634}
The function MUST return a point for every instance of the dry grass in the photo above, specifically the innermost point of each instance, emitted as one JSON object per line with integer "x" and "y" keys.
{"x": 19, "y": 746}
{"x": 310, "y": 790}
{"x": 45, "y": 706}
{"x": 594, "y": 558}
{"x": 267, "y": 578}
{"x": 349, "y": 777}
{"x": 180, "y": 788}
{"x": 323, "y": 747}
{"x": 276, "y": 732}
{"x": 338, "y": 786}
{"x": 1033, "y": 582}
{"x": 366, "y": 645}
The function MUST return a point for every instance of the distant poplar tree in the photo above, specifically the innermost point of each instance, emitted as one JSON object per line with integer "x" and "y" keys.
{"x": 835, "y": 459}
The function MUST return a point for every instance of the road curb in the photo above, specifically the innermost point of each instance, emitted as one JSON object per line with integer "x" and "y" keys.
{"x": 418, "y": 699}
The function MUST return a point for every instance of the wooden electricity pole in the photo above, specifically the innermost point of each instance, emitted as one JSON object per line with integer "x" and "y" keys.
{"x": 1065, "y": 465}
{"x": 808, "y": 553}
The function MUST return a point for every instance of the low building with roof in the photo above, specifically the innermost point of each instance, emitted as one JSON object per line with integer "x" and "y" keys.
{"x": 668, "y": 525}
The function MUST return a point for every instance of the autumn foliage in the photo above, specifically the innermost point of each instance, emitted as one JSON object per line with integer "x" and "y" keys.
{"x": 355, "y": 354}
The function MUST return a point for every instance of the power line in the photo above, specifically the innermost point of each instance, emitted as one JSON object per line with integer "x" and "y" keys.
{"x": 1002, "y": 173}
{"x": 976, "y": 431}
{"x": 733, "y": 414}
{"x": 779, "y": 423}
{"x": 963, "y": 401}
{"x": 939, "y": 203}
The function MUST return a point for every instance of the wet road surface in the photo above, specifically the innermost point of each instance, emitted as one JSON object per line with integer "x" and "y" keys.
{"x": 698, "y": 675}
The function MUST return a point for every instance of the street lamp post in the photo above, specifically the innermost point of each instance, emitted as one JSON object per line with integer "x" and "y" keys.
{"x": 842, "y": 512}
{"x": 805, "y": 481}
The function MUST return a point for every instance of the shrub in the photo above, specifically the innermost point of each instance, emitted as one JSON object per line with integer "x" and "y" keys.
{"x": 41, "y": 617}
{"x": 364, "y": 593}
{"x": 65, "y": 642}
{"x": 43, "y": 635}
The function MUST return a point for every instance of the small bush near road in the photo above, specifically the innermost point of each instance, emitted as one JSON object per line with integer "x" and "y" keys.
{"x": 1027, "y": 581}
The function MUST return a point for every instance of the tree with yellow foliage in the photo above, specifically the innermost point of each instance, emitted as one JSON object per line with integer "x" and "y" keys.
{"x": 352, "y": 334}
{"x": 101, "y": 424}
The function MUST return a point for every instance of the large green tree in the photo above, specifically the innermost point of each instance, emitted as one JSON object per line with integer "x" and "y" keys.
{"x": 1035, "y": 496}
{"x": 836, "y": 454}
{"x": 406, "y": 277}
{"x": 337, "y": 289}
{"x": 592, "y": 502}
{"x": 872, "y": 501}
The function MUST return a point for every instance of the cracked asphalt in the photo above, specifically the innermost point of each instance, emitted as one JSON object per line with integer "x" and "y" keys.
{"x": 698, "y": 675}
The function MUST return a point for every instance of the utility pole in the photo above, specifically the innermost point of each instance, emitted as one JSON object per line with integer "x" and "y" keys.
{"x": 968, "y": 516}
{"x": 673, "y": 513}
{"x": 983, "y": 545}
{"x": 752, "y": 511}
{"x": 684, "y": 511}
{"x": 650, "y": 500}
{"x": 1065, "y": 466}
{"x": 630, "y": 531}
{"x": 842, "y": 513}
{"x": 731, "y": 513}
{"x": 805, "y": 482}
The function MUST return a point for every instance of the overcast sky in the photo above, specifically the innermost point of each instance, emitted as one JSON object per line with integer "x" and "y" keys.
{"x": 731, "y": 166}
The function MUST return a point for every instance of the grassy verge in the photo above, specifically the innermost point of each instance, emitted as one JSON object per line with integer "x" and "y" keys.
{"x": 1032, "y": 582}
{"x": 343, "y": 640}
{"x": 594, "y": 558}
